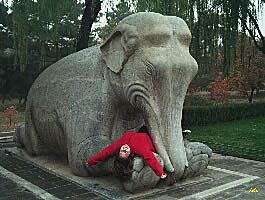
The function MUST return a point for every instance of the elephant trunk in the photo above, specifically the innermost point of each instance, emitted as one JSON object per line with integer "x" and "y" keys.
{"x": 167, "y": 137}
{"x": 166, "y": 133}
{"x": 173, "y": 140}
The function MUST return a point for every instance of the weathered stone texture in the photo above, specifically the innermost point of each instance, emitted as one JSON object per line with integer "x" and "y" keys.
{"x": 85, "y": 101}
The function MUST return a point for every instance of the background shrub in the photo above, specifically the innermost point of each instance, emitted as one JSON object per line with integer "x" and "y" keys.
{"x": 196, "y": 100}
{"x": 203, "y": 115}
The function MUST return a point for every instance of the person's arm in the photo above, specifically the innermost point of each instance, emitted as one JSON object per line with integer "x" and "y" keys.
{"x": 108, "y": 151}
{"x": 105, "y": 153}
{"x": 152, "y": 162}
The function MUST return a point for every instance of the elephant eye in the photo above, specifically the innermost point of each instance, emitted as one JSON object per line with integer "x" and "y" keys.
{"x": 150, "y": 69}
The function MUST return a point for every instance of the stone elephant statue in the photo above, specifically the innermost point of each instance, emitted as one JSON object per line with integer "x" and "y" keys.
{"x": 139, "y": 75}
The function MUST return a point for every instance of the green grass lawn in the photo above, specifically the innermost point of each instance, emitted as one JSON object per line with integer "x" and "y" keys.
{"x": 243, "y": 138}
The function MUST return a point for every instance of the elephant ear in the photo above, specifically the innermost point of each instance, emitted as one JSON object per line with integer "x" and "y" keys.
{"x": 121, "y": 44}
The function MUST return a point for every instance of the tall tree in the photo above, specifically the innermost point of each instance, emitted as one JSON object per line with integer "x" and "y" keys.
{"x": 113, "y": 17}
{"x": 6, "y": 49}
{"x": 248, "y": 75}
{"x": 43, "y": 32}
{"x": 251, "y": 25}
{"x": 52, "y": 34}
{"x": 92, "y": 8}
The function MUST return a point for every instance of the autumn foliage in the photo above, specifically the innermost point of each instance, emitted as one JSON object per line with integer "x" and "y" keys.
{"x": 248, "y": 74}
{"x": 218, "y": 89}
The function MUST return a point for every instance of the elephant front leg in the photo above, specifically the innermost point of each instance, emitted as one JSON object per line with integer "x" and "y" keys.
{"x": 143, "y": 177}
{"x": 79, "y": 153}
{"x": 198, "y": 155}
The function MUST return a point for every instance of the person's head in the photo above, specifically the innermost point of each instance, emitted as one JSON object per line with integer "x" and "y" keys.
{"x": 123, "y": 166}
{"x": 124, "y": 151}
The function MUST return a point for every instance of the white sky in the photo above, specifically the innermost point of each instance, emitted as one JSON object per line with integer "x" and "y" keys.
{"x": 261, "y": 20}
{"x": 261, "y": 16}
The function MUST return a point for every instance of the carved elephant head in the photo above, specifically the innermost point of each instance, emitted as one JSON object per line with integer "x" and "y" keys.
{"x": 151, "y": 68}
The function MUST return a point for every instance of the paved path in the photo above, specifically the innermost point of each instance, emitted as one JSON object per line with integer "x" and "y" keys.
{"x": 226, "y": 178}
{"x": 22, "y": 180}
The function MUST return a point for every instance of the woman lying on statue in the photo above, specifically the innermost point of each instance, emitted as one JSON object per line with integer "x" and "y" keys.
{"x": 126, "y": 147}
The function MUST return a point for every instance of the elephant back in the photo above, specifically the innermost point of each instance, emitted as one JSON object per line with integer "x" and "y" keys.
{"x": 67, "y": 92}
{"x": 71, "y": 79}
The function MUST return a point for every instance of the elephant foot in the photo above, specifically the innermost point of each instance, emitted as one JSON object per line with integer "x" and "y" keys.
{"x": 77, "y": 165}
{"x": 17, "y": 137}
{"x": 79, "y": 153}
{"x": 29, "y": 140}
{"x": 198, "y": 155}
{"x": 143, "y": 177}
{"x": 103, "y": 168}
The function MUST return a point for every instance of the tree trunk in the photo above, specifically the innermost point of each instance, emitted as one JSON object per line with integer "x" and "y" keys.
{"x": 250, "y": 97}
{"x": 261, "y": 37}
{"x": 19, "y": 100}
{"x": 90, "y": 14}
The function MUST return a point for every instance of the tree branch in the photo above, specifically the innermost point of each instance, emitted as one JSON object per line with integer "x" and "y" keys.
{"x": 256, "y": 25}
{"x": 96, "y": 9}
{"x": 262, "y": 47}
{"x": 90, "y": 14}
{"x": 250, "y": 32}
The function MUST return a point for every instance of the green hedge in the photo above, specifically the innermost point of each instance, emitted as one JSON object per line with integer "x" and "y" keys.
{"x": 203, "y": 115}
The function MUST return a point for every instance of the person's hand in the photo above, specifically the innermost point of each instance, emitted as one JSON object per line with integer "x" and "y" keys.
{"x": 163, "y": 176}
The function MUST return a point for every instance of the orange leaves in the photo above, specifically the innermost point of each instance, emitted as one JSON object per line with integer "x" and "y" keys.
{"x": 218, "y": 89}
{"x": 249, "y": 72}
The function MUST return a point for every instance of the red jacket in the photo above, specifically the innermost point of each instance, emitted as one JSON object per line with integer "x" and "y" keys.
{"x": 139, "y": 143}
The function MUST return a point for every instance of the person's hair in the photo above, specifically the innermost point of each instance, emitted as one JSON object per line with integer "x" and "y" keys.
{"x": 143, "y": 129}
{"x": 123, "y": 167}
